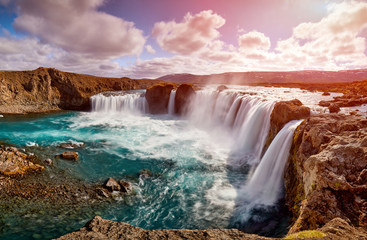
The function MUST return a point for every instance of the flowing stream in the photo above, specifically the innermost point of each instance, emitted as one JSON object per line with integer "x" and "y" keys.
{"x": 207, "y": 168}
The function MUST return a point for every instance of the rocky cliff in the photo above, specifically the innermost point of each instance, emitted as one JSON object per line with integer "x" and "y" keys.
{"x": 326, "y": 175}
{"x": 46, "y": 89}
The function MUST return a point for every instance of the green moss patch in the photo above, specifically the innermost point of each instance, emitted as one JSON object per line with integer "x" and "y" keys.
{"x": 306, "y": 234}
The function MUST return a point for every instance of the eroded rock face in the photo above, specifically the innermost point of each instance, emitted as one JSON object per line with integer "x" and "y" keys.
{"x": 283, "y": 112}
{"x": 157, "y": 97}
{"x": 13, "y": 162}
{"x": 324, "y": 176}
{"x": 183, "y": 97}
{"x": 47, "y": 89}
{"x": 99, "y": 228}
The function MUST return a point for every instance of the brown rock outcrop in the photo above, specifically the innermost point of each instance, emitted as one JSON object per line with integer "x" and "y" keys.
{"x": 283, "y": 112}
{"x": 99, "y": 228}
{"x": 157, "y": 97}
{"x": 47, "y": 89}
{"x": 323, "y": 175}
{"x": 183, "y": 96}
{"x": 13, "y": 162}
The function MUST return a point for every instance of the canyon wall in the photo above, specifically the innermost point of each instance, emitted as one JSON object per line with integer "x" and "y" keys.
{"x": 326, "y": 175}
{"x": 47, "y": 89}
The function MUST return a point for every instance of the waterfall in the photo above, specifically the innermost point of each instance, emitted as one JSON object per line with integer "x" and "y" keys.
{"x": 119, "y": 103}
{"x": 263, "y": 188}
{"x": 171, "y": 103}
{"x": 245, "y": 118}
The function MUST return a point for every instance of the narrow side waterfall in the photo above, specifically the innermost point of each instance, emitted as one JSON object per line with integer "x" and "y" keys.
{"x": 263, "y": 188}
{"x": 114, "y": 103}
{"x": 171, "y": 103}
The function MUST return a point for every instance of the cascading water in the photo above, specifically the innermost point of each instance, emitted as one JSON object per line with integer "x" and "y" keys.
{"x": 262, "y": 190}
{"x": 245, "y": 118}
{"x": 119, "y": 102}
{"x": 171, "y": 103}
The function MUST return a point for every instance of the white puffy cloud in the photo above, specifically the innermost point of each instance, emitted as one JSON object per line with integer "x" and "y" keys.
{"x": 253, "y": 41}
{"x": 333, "y": 43}
{"x": 190, "y": 35}
{"x": 150, "y": 49}
{"x": 78, "y": 27}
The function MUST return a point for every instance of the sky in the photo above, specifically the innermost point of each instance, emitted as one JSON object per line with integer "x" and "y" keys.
{"x": 149, "y": 39}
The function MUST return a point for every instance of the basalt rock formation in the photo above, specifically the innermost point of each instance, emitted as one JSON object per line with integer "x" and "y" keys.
{"x": 325, "y": 176}
{"x": 46, "y": 89}
{"x": 157, "y": 97}
{"x": 183, "y": 96}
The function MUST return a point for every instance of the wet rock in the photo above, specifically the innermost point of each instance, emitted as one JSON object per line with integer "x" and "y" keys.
{"x": 103, "y": 192}
{"x": 72, "y": 156}
{"x": 99, "y": 228}
{"x": 157, "y": 97}
{"x": 13, "y": 162}
{"x": 125, "y": 186}
{"x": 71, "y": 145}
{"x": 145, "y": 173}
{"x": 184, "y": 93}
{"x": 221, "y": 88}
{"x": 325, "y": 94}
{"x": 48, "y": 161}
{"x": 334, "y": 108}
{"x": 112, "y": 185}
{"x": 325, "y": 171}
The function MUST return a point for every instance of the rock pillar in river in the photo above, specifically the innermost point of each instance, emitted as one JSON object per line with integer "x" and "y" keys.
{"x": 157, "y": 97}
{"x": 183, "y": 97}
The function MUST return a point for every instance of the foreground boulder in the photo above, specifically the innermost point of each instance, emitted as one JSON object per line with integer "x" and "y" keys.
{"x": 324, "y": 176}
{"x": 14, "y": 162}
{"x": 157, "y": 97}
{"x": 99, "y": 228}
{"x": 72, "y": 156}
{"x": 185, "y": 92}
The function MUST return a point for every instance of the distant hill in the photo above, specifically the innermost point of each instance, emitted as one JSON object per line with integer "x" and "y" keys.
{"x": 245, "y": 78}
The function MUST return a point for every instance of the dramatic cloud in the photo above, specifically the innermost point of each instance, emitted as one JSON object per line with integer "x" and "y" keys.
{"x": 78, "y": 27}
{"x": 333, "y": 42}
{"x": 190, "y": 35}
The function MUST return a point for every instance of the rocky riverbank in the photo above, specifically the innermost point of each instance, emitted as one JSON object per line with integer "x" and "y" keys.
{"x": 326, "y": 174}
{"x": 48, "y": 89}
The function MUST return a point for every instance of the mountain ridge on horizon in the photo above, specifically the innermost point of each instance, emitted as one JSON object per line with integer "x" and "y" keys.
{"x": 255, "y": 77}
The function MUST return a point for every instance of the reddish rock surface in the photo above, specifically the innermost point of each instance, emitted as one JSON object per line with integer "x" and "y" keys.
{"x": 324, "y": 175}
{"x": 158, "y": 97}
{"x": 183, "y": 96}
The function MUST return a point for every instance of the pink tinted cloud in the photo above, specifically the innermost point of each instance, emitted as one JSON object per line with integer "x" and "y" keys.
{"x": 78, "y": 27}
{"x": 190, "y": 35}
{"x": 254, "y": 41}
